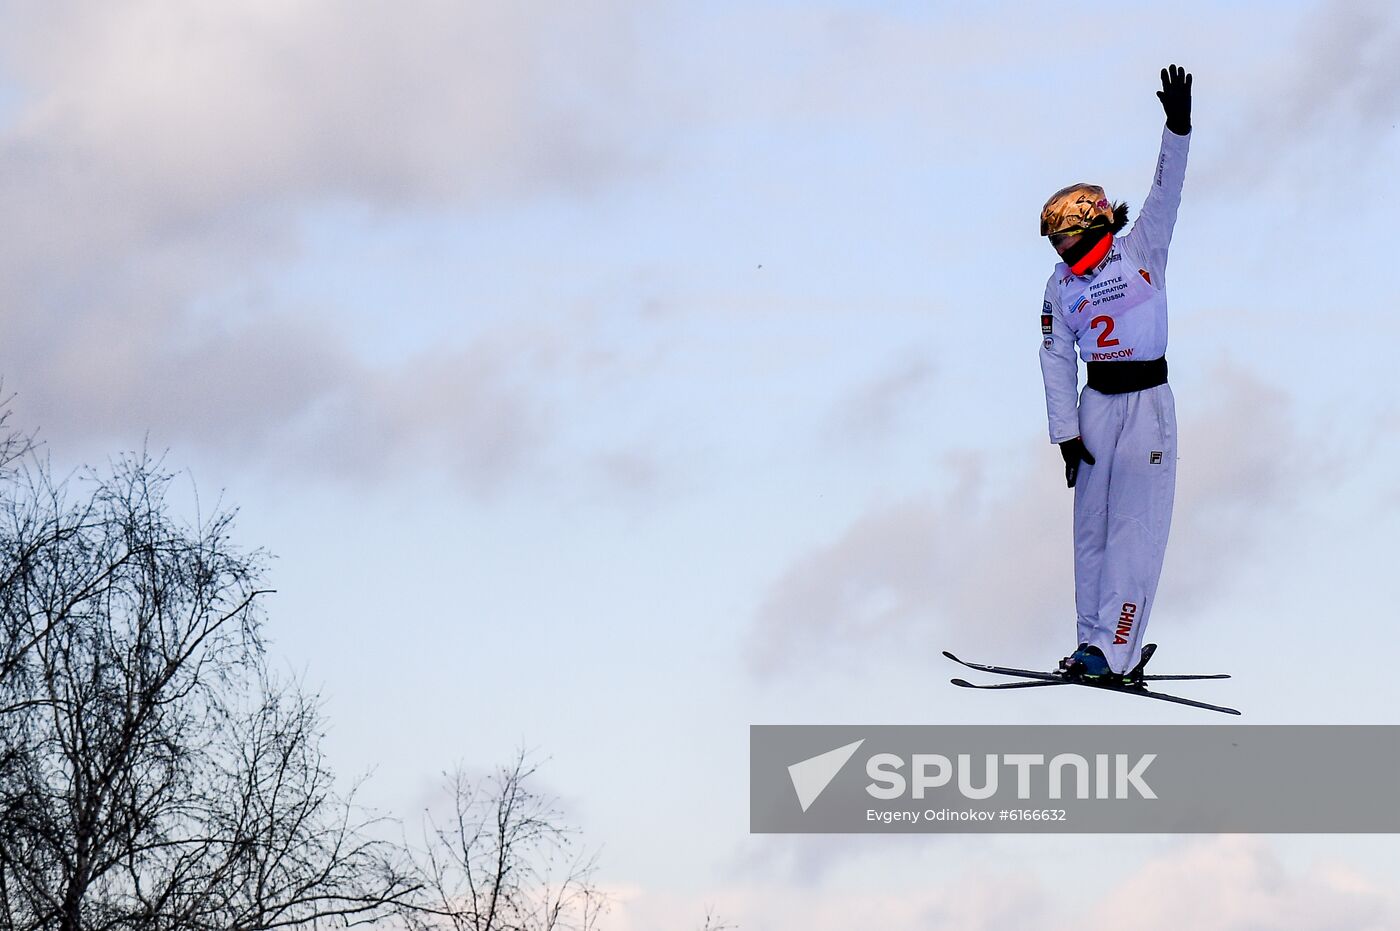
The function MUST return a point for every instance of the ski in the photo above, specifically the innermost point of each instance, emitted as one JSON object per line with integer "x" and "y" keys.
{"x": 1034, "y": 683}
{"x": 1039, "y": 679}
{"x": 1108, "y": 687}
{"x": 1036, "y": 674}
{"x": 1160, "y": 696}
{"x": 1008, "y": 670}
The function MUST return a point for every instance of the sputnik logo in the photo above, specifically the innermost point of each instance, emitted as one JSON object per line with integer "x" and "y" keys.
{"x": 811, "y": 776}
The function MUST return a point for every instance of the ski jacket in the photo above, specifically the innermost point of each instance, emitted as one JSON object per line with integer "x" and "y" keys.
{"x": 1117, "y": 311}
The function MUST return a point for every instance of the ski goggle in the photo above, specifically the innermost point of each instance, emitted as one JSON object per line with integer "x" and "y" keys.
{"x": 1076, "y": 231}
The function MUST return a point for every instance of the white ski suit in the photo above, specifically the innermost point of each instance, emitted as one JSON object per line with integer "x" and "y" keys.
{"x": 1117, "y": 312}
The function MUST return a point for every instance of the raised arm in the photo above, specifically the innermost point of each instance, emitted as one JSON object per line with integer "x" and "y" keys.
{"x": 1152, "y": 233}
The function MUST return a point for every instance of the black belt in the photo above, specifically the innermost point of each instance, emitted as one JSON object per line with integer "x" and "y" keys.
{"x": 1122, "y": 377}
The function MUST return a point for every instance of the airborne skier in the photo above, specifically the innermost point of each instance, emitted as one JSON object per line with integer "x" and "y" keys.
{"x": 1118, "y": 437}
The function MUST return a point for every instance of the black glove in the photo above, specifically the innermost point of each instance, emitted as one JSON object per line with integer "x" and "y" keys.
{"x": 1074, "y": 452}
{"x": 1176, "y": 99}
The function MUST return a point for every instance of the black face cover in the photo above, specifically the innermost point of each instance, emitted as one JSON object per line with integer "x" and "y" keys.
{"x": 1083, "y": 244}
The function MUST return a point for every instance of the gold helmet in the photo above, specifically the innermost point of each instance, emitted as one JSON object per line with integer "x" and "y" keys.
{"x": 1075, "y": 208}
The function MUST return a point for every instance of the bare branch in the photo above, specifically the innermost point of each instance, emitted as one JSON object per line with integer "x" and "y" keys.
{"x": 504, "y": 861}
{"x": 153, "y": 775}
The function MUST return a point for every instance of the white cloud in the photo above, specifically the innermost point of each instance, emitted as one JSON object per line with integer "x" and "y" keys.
{"x": 159, "y": 154}
{"x": 909, "y": 574}
{"x": 203, "y": 105}
{"x": 992, "y": 565}
{"x": 1320, "y": 107}
{"x": 1225, "y": 883}
{"x": 1238, "y": 884}
{"x": 1243, "y": 460}
{"x": 1344, "y": 68}
{"x": 873, "y": 411}
{"x": 968, "y": 903}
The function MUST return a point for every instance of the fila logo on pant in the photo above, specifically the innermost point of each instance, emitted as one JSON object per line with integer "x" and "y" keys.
{"x": 1125, "y": 622}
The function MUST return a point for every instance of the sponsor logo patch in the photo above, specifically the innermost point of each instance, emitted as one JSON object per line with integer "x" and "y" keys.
{"x": 1047, "y": 324}
{"x": 1047, "y": 342}
{"x": 1155, "y": 458}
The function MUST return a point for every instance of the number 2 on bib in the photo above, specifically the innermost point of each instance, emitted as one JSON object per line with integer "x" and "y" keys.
{"x": 1107, "y": 322}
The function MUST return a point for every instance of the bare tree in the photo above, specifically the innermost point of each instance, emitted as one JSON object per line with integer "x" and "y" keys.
{"x": 715, "y": 923}
{"x": 152, "y": 774}
{"x": 503, "y": 861}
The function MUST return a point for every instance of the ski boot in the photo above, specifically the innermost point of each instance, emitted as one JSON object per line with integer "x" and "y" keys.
{"x": 1134, "y": 676}
{"x": 1065, "y": 662}
{"x": 1087, "y": 664}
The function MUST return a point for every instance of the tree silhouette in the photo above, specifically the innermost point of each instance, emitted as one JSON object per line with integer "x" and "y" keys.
{"x": 153, "y": 774}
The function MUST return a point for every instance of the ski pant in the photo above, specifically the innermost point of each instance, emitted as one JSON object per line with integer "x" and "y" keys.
{"x": 1122, "y": 513}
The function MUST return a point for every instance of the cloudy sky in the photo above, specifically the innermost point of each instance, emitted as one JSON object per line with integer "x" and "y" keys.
{"x": 609, "y": 376}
